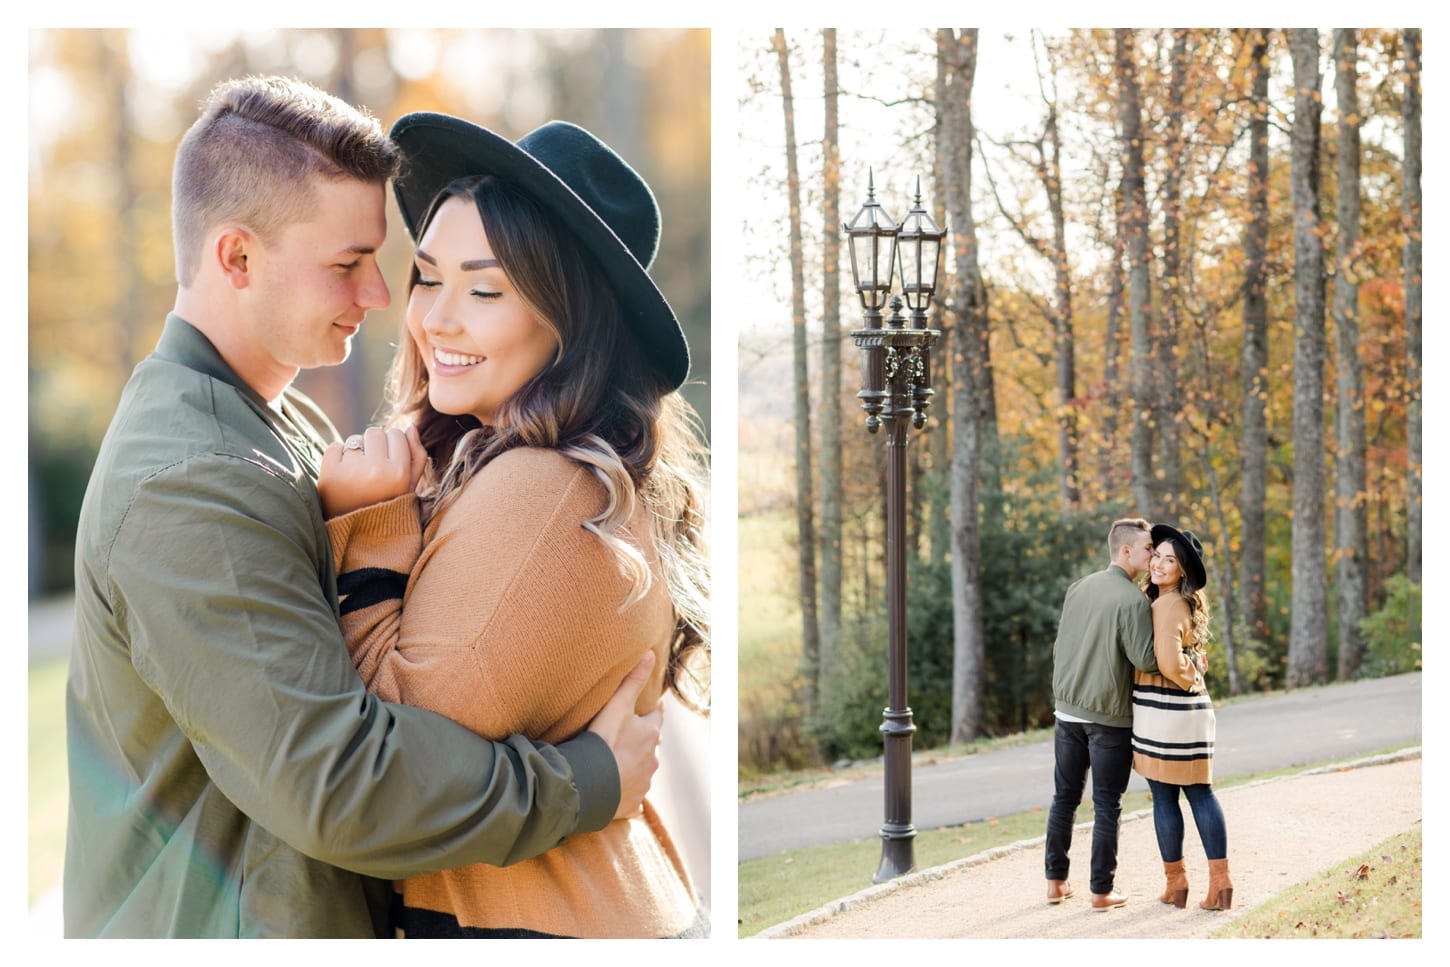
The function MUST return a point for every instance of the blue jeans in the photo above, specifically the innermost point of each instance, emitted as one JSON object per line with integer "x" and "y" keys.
{"x": 1108, "y": 752}
{"x": 1168, "y": 820}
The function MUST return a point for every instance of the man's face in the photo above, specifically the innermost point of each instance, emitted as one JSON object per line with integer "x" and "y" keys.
{"x": 315, "y": 281}
{"x": 1140, "y": 555}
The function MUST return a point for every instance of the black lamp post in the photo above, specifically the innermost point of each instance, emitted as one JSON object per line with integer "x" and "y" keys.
{"x": 895, "y": 384}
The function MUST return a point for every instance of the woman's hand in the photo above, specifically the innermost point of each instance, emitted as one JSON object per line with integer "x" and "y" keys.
{"x": 370, "y": 468}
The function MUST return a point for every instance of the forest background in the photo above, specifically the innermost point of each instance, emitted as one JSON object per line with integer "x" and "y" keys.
{"x": 107, "y": 108}
{"x": 1182, "y": 281}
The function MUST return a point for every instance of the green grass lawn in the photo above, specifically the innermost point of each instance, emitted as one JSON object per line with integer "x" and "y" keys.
{"x": 46, "y": 776}
{"x": 1378, "y": 894}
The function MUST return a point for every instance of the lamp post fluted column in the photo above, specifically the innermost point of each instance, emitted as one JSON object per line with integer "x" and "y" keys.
{"x": 895, "y": 388}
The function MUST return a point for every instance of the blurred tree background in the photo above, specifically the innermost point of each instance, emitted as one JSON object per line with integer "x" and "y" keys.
{"x": 107, "y": 108}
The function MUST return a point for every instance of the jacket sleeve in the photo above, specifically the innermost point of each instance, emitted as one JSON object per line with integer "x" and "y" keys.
{"x": 214, "y": 573}
{"x": 1137, "y": 635}
{"x": 1171, "y": 621}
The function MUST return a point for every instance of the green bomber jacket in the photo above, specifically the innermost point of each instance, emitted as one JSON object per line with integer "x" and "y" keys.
{"x": 229, "y": 773}
{"x": 1106, "y": 631}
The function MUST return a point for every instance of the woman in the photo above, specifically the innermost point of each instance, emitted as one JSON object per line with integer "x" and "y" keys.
{"x": 554, "y": 532}
{"x": 1173, "y": 720}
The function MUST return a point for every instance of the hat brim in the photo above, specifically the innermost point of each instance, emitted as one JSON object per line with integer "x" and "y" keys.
{"x": 1192, "y": 563}
{"x": 439, "y": 148}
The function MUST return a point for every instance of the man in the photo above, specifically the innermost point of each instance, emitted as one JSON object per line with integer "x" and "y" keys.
{"x": 1105, "y": 631}
{"x": 229, "y": 774}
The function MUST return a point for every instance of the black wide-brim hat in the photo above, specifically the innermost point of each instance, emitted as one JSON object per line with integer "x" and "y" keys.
{"x": 592, "y": 190}
{"x": 1190, "y": 552}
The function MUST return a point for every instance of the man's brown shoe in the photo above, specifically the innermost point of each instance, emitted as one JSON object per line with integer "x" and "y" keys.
{"x": 1109, "y": 901}
{"x": 1058, "y": 890}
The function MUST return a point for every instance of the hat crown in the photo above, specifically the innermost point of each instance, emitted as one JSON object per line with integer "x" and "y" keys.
{"x": 602, "y": 180}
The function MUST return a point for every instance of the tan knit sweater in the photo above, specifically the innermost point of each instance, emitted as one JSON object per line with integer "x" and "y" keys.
{"x": 512, "y": 623}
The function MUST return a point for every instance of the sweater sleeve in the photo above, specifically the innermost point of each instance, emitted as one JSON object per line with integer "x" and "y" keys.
{"x": 514, "y": 617}
{"x": 1171, "y": 622}
{"x": 374, "y": 549}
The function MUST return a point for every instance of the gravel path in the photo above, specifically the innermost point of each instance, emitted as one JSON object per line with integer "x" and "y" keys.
{"x": 1281, "y": 831}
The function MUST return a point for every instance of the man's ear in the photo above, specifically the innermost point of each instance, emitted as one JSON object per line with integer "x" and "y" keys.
{"x": 230, "y": 249}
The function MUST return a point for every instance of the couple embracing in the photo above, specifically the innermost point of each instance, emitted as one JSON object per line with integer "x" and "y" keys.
{"x": 1128, "y": 691}
{"x": 406, "y": 683}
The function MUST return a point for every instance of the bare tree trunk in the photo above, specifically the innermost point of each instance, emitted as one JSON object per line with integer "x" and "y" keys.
{"x": 1256, "y": 351}
{"x": 1067, "y": 442}
{"x": 1414, "y": 295}
{"x": 1307, "y": 659}
{"x": 939, "y": 518}
{"x": 1168, "y": 399}
{"x": 956, "y": 71}
{"x": 1108, "y": 471}
{"x": 831, "y": 485}
{"x": 1351, "y": 506}
{"x": 805, "y": 497}
{"x": 1135, "y": 223}
{"x": 1223, "y": 566}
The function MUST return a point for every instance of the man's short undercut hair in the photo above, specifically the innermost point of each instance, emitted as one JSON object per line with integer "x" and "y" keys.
{"x": 1124, "y": 531}
{"x": 252, "y": 156}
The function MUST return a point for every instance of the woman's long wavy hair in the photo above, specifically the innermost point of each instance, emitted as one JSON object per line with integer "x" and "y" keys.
{"x": 1197, "y": 600}
{"x": 597, "y": 403}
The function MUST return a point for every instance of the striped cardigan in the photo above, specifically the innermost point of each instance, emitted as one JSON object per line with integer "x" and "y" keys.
{"x": 1173, "y": 719}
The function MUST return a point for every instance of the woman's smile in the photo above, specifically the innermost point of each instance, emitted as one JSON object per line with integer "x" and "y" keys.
{"x": 447, "y": 362}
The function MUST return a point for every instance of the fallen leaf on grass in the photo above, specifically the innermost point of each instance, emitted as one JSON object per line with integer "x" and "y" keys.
{"x": 1363, "y": 871}
{"x": 1341, "y": 898}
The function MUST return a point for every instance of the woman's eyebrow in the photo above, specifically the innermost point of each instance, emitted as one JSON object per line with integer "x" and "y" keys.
{"x": 472, "y": 265}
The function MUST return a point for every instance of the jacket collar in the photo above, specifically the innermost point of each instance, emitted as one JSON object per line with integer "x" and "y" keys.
{"x": 1118, "y": 569}
{"x": 184, "y": 344}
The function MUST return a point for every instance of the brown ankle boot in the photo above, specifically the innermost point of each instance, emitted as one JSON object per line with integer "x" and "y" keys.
{"x": 1176, "y": 892}
{"x": 1220, "y": 888}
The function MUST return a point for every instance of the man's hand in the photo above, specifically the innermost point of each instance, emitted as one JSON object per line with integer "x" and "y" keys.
{"x": 634, "y": 739}
{"x": 370, "y": 468}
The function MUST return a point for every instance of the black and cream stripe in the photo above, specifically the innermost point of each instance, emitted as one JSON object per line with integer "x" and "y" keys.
{"x": 1172, "y": 725}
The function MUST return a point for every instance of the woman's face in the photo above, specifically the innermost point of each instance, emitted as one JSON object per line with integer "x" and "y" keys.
{"x": 1165, "y": 571}
{"x": 477, "y": 338}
